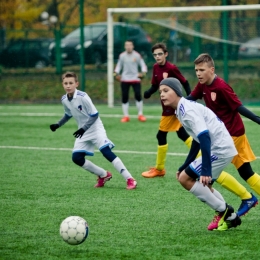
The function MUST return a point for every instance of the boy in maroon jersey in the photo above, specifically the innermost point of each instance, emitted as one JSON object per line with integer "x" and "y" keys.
{"x": 163, "y": 69}
{"x": 223, "y": 101}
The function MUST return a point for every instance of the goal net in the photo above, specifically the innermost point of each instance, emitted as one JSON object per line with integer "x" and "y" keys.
{"x": 230, "y": 34}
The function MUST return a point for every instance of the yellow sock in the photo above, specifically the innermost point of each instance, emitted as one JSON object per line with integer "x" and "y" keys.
{"x": 254, "y": 182}
{"x": 188, "y": 143}
{"x": 231, "y": 184}
{"x": 161, "y": 156}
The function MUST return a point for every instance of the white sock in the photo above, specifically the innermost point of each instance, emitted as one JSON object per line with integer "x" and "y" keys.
{"x": 204, "y": 194}
{"x": 125, "y": 108}
{"x": 233, "y": 216}
{"x": 91, "y": 167}
{"x": 218, "y": 195}
{"x": 119, "y": 166}
{"x": 139, "y": 105}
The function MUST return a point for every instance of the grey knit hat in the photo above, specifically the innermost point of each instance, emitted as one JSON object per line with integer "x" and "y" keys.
{"x": 174, "y": 84}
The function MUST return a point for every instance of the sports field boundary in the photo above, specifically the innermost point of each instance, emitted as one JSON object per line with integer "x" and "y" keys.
{"x": 101, "y": 115}
{"x": 69, "y": 149}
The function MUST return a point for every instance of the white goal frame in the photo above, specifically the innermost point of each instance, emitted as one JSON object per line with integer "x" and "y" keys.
{"x": 110, "y": 40}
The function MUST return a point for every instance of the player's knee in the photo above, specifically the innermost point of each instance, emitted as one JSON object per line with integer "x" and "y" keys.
{"x": 78, "y": 158}
{"x": 183, "y": 178}
{"x": 138, "y": 97}
{"x": 161, "y": 137}
{"x": 182, "y": 134}
{"x": 108, "y": 154}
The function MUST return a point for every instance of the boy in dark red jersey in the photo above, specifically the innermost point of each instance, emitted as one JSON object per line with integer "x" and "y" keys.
{"x": 223, "y": 101}
{"x": 169, "y": 123}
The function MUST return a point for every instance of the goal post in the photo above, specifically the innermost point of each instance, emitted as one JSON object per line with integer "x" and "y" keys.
{"x": 110, "y": 42}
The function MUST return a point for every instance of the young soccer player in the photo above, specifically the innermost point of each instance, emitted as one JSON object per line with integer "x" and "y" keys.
{"x": 223, "y": 101}
{"x": 169, "y": 123}
{"x": 90, "y": 133}
{"x": 217, "y": 151}
{"x": 129, "y": 61}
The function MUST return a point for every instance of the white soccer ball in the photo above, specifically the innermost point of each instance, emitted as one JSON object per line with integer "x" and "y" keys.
{"x": 74, "y": 230}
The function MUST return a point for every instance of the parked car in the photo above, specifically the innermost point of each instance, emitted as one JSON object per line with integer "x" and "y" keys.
{"x": 26, "y": 53}
{"x": 95, "y": 43}
{"x": 250, "y": 49}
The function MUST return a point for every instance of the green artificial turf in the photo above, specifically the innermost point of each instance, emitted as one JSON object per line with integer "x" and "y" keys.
{"x": 39, "y": 187}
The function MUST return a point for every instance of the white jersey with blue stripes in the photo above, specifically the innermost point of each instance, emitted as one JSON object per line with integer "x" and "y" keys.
{"x": 81, "y": 108}
{"x": 198, "y": 119}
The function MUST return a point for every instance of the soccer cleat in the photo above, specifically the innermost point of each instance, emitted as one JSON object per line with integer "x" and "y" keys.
{"x": 230, "y": 224}
{"x": 125, "y": 119}
{"x": 141, "y": 118}
{"x": 101, "y": 181}
{"x": 131, "y": 184}
{"x": 153, "y": 172}
{"x": 220, "y": 217}
{"x": 246, "y": 205}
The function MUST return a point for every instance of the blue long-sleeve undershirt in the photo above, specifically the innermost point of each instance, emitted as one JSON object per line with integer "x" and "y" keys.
{"x": 205, "y": 147}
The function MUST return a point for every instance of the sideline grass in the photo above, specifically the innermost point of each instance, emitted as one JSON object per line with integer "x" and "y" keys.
{"x": 158, "y": 220}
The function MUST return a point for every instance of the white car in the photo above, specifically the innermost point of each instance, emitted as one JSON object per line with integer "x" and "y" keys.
{"x": 250, "y": 49}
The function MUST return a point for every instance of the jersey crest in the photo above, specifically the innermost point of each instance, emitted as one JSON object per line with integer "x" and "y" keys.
{"x": 213, "y": 96}
{"x": 80, "y": 107}
{"x": 165, "y": 75}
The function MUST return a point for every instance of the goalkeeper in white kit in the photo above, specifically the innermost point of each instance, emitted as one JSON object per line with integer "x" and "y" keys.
{"x": 129, "y": 62}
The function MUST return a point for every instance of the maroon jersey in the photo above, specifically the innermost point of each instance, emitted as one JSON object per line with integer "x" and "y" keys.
{"x": 223, "y": 101}
{"x": 166, "y": 71}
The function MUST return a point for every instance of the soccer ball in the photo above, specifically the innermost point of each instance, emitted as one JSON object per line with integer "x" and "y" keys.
{"x": 74, "y": 230}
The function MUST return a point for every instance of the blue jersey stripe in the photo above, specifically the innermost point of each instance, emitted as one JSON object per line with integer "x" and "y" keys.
{"x": 203, "y": 132}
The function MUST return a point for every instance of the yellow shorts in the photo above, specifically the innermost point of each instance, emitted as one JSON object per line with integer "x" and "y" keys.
{"x": 245, "y": 153}
{"x": 169, "y": 124}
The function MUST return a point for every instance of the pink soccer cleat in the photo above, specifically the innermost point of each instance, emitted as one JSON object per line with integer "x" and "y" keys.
{"x": 131, "y": 184}
{"x": 101, "y": 181}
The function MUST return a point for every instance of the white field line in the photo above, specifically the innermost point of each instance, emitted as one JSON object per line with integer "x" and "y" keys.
{"x": 28, "y": 114}
{"x": 69, "y": 149}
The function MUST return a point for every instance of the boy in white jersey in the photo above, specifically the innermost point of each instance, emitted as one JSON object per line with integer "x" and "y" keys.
{"x": 129, "y": 61}
{"x": 90, "y": 133}
{"x": 217, "y": 149}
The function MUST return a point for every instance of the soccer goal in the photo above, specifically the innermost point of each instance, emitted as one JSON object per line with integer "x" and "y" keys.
{"x": 226, "y": 32}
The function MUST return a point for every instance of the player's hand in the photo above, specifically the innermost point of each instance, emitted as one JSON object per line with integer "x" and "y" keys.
{"x": 53, "y": 127}
{"x": 178, "y": 175}
{"x": 79, "y": 133}
{"x": 205, "y": 180}
{"x": 147, "y": 94}
{"x": 141, "y": 75}
{"x": 117, "y": 76}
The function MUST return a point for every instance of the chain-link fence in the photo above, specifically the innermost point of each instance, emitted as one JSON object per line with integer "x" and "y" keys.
{"x": 47, "y": 53}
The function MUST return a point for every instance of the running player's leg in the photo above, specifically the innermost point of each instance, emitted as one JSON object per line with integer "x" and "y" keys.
{"x": 139, "y": 101}
{"x": 187, "y": 178}
{"x": 184, "y": 136}
{"x": 242, "y": 162}
{"x": 105, "y": 146}
{"x": 218, "y": 164}
{"x": 83, "y": 147}
{"x": 125, "y": 104}
{"x": 231, "y": 184}
{"x": 159, "y": 169}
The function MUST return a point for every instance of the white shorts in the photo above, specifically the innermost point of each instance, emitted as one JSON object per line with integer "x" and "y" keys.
{"x": 218, "y": 165}
{"x": 90, "y": 140}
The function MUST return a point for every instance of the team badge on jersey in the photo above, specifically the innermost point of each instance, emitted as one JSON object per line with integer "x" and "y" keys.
{"x": 213, "y": 96}
{"x": 165, "y": 75}
{"x": 80, "y": 107}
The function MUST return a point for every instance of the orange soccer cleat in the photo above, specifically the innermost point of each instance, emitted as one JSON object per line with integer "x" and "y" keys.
{"x": 153, "y": 172}
{"x": 125, "y": 119}
{"x": 142, "y": 118}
